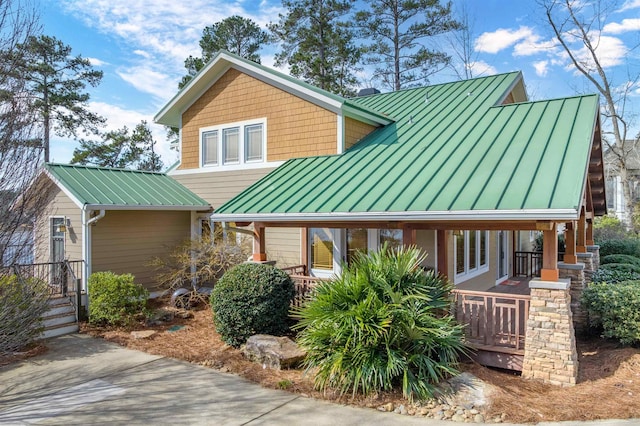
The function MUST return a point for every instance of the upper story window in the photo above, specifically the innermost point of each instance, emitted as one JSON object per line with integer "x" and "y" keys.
{"x": 233, "y": 144}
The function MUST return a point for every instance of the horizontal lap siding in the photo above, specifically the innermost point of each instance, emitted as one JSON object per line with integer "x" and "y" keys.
{"x": 283, "y": 246}
{"x": 58, "y": 204}
{"x": 295, "y": 127}
{"x": 125, "y": 241}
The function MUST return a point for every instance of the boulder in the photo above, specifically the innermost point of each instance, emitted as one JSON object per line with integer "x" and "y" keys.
{"x": 466, "y": 390}
{"x": 273, "y": 352}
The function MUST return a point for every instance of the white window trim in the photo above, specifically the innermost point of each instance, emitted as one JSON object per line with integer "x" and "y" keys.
{"x": 242, "y": 163}
{"x": 480, "y": 269}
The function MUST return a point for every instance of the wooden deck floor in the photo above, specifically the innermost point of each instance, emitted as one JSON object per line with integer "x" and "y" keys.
{"x": 513, "y": 285}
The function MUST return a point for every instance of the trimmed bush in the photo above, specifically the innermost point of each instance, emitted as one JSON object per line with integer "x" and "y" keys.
{"x": 623, "y": 267}
{"x": 251, "y": 298}
{"x": 611, "y": 276}
{"x": 115, "y": 299}
{"x": 383, "y": 323}
{"x": 620, "y": 258}
{"x": 23, "y": 303}
{"x": 615, "y": 308}
{"x": 629, "y": 246}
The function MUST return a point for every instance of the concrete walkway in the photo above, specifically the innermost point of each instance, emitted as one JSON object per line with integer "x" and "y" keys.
{"x": 82, "y": 380}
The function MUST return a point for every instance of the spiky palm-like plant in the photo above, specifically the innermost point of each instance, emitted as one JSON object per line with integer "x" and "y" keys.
{"x": 383, "y": 323}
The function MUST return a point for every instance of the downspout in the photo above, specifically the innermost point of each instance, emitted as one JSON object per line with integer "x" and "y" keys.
{"x": 86, "y": 241}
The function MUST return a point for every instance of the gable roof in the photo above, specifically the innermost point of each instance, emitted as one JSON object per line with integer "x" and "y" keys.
{"x": 454, "y": 153}
{"x": 171, "y": 113}
{"x": 120, "y": 189}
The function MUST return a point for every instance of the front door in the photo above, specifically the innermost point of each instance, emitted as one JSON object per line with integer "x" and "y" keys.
{"x": 57, "y": 253}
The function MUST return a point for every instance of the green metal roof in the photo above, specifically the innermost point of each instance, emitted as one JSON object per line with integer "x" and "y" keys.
{"x": 108, "y": 188}
{"x": 453, "y": 152}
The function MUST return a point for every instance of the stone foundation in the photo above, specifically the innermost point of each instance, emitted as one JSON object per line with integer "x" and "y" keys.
{"x": 550, "y": 345}
{"x": 595, "y": 251}
{"x": 575, "y": 272}
{"x": 587, "y": 259}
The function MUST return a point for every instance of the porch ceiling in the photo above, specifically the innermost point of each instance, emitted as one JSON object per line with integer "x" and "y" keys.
{"x": 454, "y": 154}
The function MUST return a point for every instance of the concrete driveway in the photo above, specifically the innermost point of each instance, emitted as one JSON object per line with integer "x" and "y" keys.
{"x": 82, "y": 380}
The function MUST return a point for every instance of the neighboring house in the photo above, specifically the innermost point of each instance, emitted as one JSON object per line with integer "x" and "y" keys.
{"x": 112, "y": 219}
{"x": 458, "y": 169}
{"x": 19, "y": 247}
{"x": 615, "y": 193}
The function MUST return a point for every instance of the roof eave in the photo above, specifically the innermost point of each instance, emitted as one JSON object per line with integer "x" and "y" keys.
{"x": 199, "y": 208}
{"x": 417, "y": 216}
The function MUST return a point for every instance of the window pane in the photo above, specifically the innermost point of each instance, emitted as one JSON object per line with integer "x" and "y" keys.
{"x": 231, "y": 145}
{"x": 357, "y": 241}
{"x": 253, "y": 142}
{"x": 321, "y": 248}
{"x": 473, "y": 260}
{"x": 460, "y": 252}
{"x": 393, "y": 237}
{"x": 210, "y": 148}
{"x": 483, "y": 248}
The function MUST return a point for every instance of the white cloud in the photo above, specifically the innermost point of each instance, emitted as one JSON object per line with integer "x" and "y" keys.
{"x": 630, "y": 4}
{"x": 625, "y": 26}
{"x": 533, "y": 45}
{"x": 147, "y": 80}
{"x": 96, "y": 62}
{"x": 541, "y": 67}
{"x": 479, "y": 68}
{"x": 500, "y": 39}
{"x": 611, "y": 51}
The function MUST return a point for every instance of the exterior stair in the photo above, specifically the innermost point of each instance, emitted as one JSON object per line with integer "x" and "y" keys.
{"x": 61, "y": 318}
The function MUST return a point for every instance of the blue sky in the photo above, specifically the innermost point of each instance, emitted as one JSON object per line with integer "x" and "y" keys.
{"x": 140, "y": 45}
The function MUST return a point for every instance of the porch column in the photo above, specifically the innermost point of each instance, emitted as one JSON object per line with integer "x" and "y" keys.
{"x": 589, "y": 239}
{"x": 570, "y": 244}
{"x": 304, "y": 248}
{"x": 549, "y": 271}
{"x": 408, "y": 235}
{"x": 259, "y": 243}
{"x": 443, "y": 251}
{"x": 550, "y": 353}
{"x": 581, "y": 243}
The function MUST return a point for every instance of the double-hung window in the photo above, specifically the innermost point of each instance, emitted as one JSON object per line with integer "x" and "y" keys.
{"x": 234, "y": 143}
{"x": 471, "y": 254}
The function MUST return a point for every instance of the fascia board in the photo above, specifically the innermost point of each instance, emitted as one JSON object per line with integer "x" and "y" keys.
{"x": 465, "y": 215}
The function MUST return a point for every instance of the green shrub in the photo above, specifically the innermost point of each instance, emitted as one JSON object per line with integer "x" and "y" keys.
{"x": 628, "y": 246}
{"x": 620, "y": 258}
{"x": 609, "y": 228}
{"x": 249, "y": 299}
{"x": 623, "y": 267}
{"x": 615, "y": 308}
{"x": 115, "y": 299}
{"x": 23, "y": 303}
{"x": 611, "y": 276}
{"x": 383, "y": 323}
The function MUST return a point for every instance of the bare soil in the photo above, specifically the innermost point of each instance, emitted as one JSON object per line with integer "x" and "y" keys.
{"x": 608, "y": 385}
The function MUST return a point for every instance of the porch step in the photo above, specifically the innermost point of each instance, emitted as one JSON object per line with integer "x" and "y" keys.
{"x": 60, "y": 319}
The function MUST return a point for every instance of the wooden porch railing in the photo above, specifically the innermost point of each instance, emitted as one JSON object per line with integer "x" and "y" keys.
{"x": 529, "y": 263}
{"x": 304, "y": 284}
{"x": 495, "y": 321}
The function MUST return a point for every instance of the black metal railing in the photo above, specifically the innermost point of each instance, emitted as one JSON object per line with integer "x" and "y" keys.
{"x": 529, "y": 263}
{"x": 60, "y": 276}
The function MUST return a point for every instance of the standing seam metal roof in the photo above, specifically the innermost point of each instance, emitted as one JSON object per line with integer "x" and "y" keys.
{"x": 451, "y": 149}
{"x": 122, "y": 188}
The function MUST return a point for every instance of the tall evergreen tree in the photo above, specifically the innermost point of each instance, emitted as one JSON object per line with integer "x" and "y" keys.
{"x": 122, "y": 149}
{"x": 317, "y": 44}
{"x": 55, "y": 82}
{"x": 398, "y": 31}
{"x": 235, "y": 34}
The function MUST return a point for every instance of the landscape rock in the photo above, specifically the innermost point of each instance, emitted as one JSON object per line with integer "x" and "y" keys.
{"x": 272, "y": 351}
{"x": 143, "y": 334}
{"x": 466, "y": 390}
